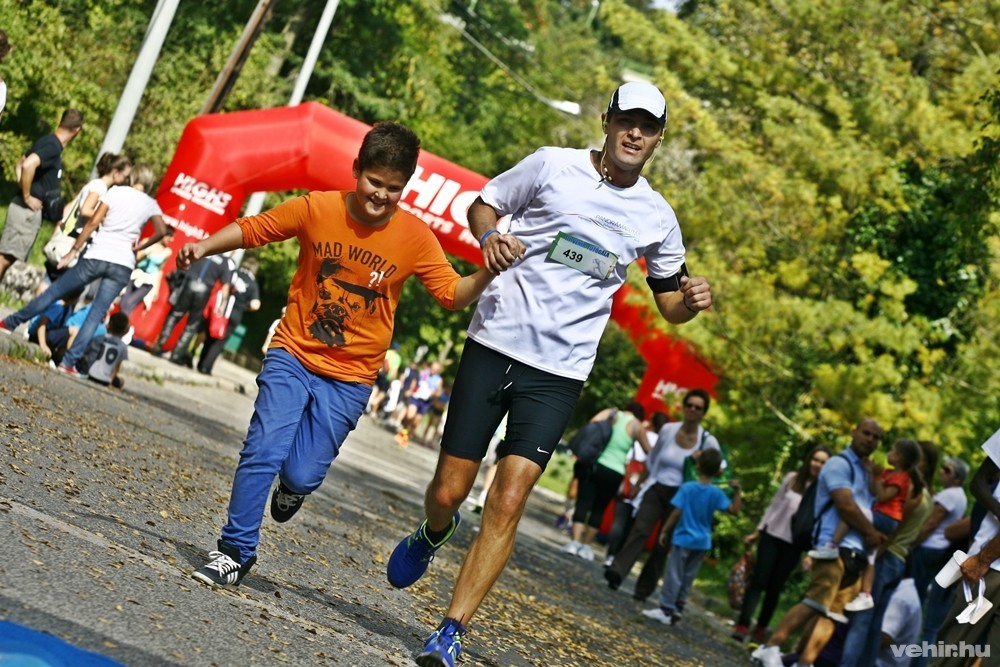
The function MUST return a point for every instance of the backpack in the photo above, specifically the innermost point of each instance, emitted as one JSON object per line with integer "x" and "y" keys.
{"x": 690, "y": 470}
{"x": 588, "y": 443}
{"x": 805, "y": 528}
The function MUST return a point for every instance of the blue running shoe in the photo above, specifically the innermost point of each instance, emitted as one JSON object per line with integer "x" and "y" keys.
{"x": 410, "y": 558}
{"x": 443, "y": 646}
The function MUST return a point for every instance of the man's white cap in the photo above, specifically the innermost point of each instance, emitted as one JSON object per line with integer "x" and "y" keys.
{"x": 639, "y": 95}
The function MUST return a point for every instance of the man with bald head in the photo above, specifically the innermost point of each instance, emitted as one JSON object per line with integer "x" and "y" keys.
{"x": 842, "y": 494}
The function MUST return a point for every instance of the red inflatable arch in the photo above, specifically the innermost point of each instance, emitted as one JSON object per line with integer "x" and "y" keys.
{"x": 222, "y": 158}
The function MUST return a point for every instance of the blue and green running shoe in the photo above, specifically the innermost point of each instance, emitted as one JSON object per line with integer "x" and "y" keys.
{"x": 443, "y": 646}
{"x": 410, "y": 558}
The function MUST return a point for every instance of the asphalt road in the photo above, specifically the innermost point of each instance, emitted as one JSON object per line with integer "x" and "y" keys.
{"x": 108, "y": 501}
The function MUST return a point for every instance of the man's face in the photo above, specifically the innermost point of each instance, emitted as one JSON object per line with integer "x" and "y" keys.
{"x": 866, "y": 437}
{"x": 378, "y": 192}
{"x": 632, "y": 138}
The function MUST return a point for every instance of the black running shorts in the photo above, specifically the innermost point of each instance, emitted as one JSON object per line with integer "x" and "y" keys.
{"x": 490, "y": 384}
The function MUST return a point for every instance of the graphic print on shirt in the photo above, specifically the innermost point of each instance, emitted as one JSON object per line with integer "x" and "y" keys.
{"x": 343, "y": 301}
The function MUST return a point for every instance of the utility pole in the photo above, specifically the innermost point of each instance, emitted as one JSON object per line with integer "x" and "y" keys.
{"x": 128, "y": 103}
{"x": 227, "y": 77}
{"x": 256, "y": 201}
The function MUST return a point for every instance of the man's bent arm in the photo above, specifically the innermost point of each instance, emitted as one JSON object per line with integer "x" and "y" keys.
{"x": 680, "y": 306}
{"x": 28, "y": 167}
{"x": 850, "y": 513}
{"x": 499, "y": 250}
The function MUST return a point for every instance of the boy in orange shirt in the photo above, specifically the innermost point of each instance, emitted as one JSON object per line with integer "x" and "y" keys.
{"x": 356, "y": 251}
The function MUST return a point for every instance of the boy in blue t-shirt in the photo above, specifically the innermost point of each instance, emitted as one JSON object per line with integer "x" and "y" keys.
{"x": 691, "y": 522}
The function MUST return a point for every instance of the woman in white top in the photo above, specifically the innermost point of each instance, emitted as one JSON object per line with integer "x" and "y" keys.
{"x": 776, "y": 557}
{"x": 112, "y": 170}
{"x": 116, "y": 227}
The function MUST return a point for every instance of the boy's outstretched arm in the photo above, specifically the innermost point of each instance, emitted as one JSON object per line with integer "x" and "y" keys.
{"x": 228, "y": 238}
{"x": 470, "y": 287}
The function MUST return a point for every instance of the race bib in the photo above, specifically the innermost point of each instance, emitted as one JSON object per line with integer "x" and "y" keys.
{"x": 585, "y": 257}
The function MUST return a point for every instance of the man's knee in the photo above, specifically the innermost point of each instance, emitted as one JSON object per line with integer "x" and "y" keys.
{"x": 448, "y": 491}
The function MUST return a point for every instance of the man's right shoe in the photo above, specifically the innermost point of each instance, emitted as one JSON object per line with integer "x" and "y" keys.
{"x": 224, "y": 570}
{"x": 767, "y": 656}
{"x": 410, "y": 558}
{"x": 444, "y": 645}
{"x": 284, "y": 503}
{"x": 613, "y": 578}
{"x": 739, "y": 632}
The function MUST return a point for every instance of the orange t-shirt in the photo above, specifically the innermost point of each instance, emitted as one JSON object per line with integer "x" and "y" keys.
{"x": 893, "y": 508}
{"x": 343, "y": 297}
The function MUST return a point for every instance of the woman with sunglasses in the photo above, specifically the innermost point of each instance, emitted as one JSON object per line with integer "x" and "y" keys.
{"x": 663, "y": 476}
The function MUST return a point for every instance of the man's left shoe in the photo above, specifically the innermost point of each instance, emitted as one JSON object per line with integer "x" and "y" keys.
{"x": 444, "y": 645}
{"x": 284, "y": 503}
{"x": 410, "y": 558}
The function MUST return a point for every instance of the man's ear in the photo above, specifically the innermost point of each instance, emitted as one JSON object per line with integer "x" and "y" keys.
{"x": 356, "y": 169}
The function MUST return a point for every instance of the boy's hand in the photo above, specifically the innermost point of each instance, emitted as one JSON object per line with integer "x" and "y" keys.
{"x": 501, "y": 250}
{"x": 189, "y": 254}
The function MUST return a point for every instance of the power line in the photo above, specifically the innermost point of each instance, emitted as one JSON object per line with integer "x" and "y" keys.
{"x": 565, "y": 106}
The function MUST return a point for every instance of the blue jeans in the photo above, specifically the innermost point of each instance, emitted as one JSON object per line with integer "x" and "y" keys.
{"x": 84, "y": 272}
{"x": 864, "y": 634}
{"x": 299, "y": 424}
{"x": 682, "y": 568}
{"x": 939, "y": 601}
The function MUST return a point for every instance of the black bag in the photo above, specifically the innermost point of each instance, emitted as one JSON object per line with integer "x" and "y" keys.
{"x": 588, "y": 443}
{"x": 52, "y": 206}
{"x": 855, "y": 563}
{"x": 805, "y": 528}
{"x": 175, "y": 281}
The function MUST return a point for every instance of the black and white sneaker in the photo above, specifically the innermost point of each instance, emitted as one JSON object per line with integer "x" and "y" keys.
{"x": 224, "y": 569}
{"x": 284, "y": 503}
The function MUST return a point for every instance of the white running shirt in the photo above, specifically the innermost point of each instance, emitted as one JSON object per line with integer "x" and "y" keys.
{"x": 541, "y": 312}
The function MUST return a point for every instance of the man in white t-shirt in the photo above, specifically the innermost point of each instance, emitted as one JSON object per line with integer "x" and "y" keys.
{"x": 116, "y": 227}
{"x": 983, "y": 564}
{"x": 578, "y": 219}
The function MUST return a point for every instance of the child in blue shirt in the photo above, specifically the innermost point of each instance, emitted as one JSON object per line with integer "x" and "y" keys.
{"x": 695, "y": 503}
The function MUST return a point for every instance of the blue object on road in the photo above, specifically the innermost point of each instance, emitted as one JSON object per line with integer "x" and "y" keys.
{"x": 24, "y": 647}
